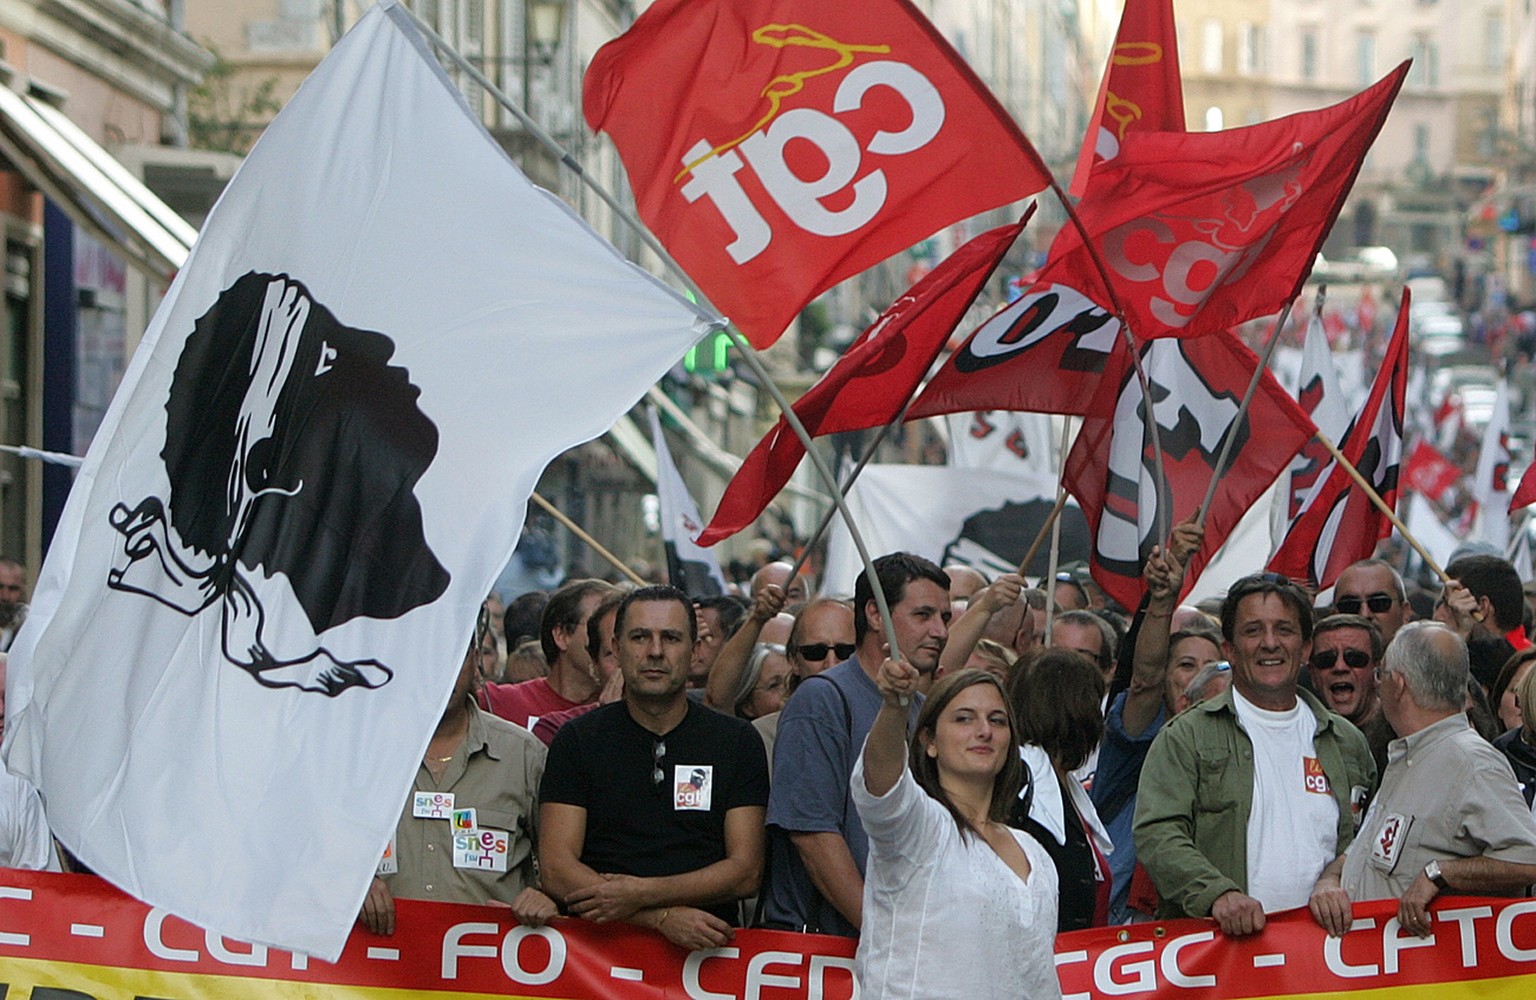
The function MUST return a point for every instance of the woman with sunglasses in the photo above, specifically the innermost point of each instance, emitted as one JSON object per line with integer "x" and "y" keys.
{"x": 956, "y": 903}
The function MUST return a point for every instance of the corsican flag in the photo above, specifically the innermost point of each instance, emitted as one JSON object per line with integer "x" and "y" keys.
{"x": 266, "y": 576}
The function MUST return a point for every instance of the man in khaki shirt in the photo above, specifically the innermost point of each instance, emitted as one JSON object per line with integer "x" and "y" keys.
{"x": 477, "y": 762}
{"x": 1449, "y": 816}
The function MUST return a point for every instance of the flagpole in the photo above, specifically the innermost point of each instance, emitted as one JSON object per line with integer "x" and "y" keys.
{"x": 1054, "y": 560}
{"x": 1050, "y": 519}
{"x": 1381, "y": 505}
{"x": 864, "y": 459}
{"x": 1130, "y": 340}
{"x": 742, "y": 345}
{"x": 1230, "y": 437}
{"x": 596, "y": 545}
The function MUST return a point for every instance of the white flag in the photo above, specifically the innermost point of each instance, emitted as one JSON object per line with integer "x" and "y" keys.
{"x": 1491, "y": 480}
{"x": 1318, "y": 393}
{"x": 977, "y": 517}
{"x": 1004, "y": 441}
{"x": 692, "y": 568}
{"x": 266, "y": 576}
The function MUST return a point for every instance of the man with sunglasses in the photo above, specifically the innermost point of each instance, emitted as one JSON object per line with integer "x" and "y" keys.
{"x": 1373, "y": 589}
{"x": 652, "y": 807}
{"x": 1346, "y": 650}
{"x": 817, "y": 845}
{"x": 1244, "y": 799}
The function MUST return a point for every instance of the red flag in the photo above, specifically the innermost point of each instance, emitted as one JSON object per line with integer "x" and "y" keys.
{"x": 1430, "y": 473}
{"x": 1043, "y": 353}
{"x": 1201, "y": 231}
{"x": 777, "y": 147}
{"x": 1196, "y": 388}
{"x": 1338, "y": 524}
{"x": 1525, "y": 493}
{"x": 1141, "y": 88}
{"x": 872, "y": 381}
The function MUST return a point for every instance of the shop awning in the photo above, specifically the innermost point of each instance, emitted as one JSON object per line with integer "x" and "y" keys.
{"x": 97, "y": 192}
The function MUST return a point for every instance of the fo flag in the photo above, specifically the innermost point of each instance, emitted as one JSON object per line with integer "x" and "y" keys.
{"x": 1141, "y": 89}
{"x": 777, "y": 147}
{"x": 267, "y": 573}
{"x": 692, "y": 569}
{"x": 872, "y": 381}
{"x": 1429, "y": 472}
{"x": 1197, "y": 386}
{"x": 1203, "y": 231}
{"x": 1338, "y": 524}
{"x": 1044, "y": 352}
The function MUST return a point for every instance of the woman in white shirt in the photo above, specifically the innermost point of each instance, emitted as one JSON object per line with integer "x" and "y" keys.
{"x": 955, "y": 902}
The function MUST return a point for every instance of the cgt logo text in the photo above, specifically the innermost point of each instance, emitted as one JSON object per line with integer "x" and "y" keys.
{"x": 711, "y": 169}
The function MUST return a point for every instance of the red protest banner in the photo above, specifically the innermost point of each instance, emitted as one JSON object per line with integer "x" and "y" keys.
{"x": 75, "y": 937}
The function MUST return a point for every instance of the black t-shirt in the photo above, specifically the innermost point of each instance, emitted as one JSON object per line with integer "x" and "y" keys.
{"x": 606, "y": 762}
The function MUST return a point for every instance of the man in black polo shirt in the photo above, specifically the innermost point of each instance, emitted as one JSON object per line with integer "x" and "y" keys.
{"x": 652, "y": 807}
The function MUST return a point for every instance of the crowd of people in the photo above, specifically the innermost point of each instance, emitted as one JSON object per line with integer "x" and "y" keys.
{"x": 1021, "y": 762}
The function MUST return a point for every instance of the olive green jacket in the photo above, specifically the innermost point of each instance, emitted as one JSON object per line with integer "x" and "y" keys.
{"x": 1196, "y": 792}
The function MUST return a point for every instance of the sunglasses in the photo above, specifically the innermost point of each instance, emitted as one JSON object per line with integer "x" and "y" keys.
{"x": 812, "y": 652}
{"x": 1355, "y": 659}
{"x": 1378, "y": 603}
{"x": 658, "y": 754}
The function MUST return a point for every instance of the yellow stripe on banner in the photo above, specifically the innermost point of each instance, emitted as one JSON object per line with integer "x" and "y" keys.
{"x": 1509, "y": 988}
{"x": 23, "y": 975}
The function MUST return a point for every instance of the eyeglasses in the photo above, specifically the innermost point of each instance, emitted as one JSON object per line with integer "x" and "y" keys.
{"x": 1355, "y": 659}
{"x": 658, "y": 754}
{"x": 813, "y": 652}
{"x": 1378, "y": 603}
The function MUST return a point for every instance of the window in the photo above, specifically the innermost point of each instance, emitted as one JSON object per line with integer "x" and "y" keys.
{"x": 1493, "y": 41}
{"x": 1210, "y": 47}
{"x": 1250, "y": 48}
{"x": 1310, "y": 54}
{"x": 1365, "y": 57}
{"x": 1418, "y": 51}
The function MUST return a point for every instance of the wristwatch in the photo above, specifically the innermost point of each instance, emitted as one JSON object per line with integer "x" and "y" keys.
{"x": 1433, "y": 873}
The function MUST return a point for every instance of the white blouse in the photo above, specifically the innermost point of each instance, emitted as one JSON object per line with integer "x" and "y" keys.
{"x": 944, "y": 916}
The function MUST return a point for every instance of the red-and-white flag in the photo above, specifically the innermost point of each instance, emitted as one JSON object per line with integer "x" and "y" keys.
{"x": 1201, "y": 231}
{"x": 1428, "y": 472}
{"x": 1490, "y": 483}
{"x": 1196, "y": 385}
{"x": 1320, "y": 398}
{"x": 872, "y": 381}
{"x": 777, "y": 147}
{"x": 1141, "y": 89}
{"x": 1339, "y": 524}
{"x": 1045, "y": 352}
{"x": 1525, "y": 493}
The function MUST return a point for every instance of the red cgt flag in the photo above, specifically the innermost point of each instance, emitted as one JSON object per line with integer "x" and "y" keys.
{"x": 1141, "y": 89}
{"x": 872, "y": 381}
{"x": 1429, "y": 473}
{"x": 1196, "y": 388}
{"x": 1338, "y": 524}
{"x": 776, "y": 147}
{"x": 1201, "y": 231}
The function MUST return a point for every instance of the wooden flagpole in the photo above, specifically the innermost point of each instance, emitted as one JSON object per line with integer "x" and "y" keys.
{"x": 1053, "y": 561}
{"x": 707, "y": 310}
{"x": 580, "y": 533}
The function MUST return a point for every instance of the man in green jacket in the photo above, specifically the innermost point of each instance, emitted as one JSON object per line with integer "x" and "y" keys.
{"x": 1246, "y": 798}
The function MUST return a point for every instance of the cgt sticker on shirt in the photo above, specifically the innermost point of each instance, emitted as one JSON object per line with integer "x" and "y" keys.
{"x": 1314, "y": 779}
{"x": 693, "y": 786}
{"x": 482, "y": 850}
{"x": 1388, "y": 845}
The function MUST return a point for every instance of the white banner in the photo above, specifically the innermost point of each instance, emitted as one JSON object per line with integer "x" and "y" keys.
{"x": 692, "y": 568}
{"x": 265, "y": 578}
